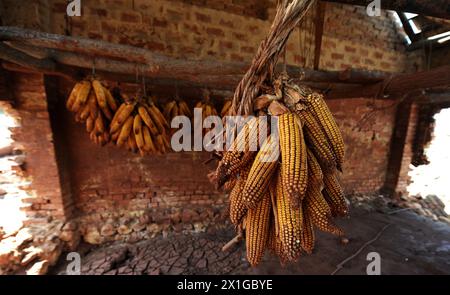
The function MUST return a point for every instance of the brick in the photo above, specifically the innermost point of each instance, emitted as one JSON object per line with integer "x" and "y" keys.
{"x": 215, "y": 32}
{"x": 202, "y": 17}
{"x": 157, "y": 22}
{"x": 131, "y": 17}
{"x": 226, "y": 44}
{"x": 337, "y": 56}
{"x": 350, "y": 49}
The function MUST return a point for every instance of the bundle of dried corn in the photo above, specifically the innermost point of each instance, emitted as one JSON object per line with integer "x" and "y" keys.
{"x": 94, "y": 105}
{"x": 208, "y": 109}
{"x": 289, "y": 185}
{"x": 140, "y": 126}
{"x": 176, "y": 107}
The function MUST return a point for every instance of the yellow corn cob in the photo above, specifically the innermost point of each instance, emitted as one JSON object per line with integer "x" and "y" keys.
{"x": 320, "y": 110}
{"x": 158, "y": 118}
{"x": 93, "y": 107}
{"x": 226, "y": 108}
{"x": 185, "y": 108}
{"x": 237, "y": 206}
{"x": 317, "y": 140}
{"x": 319, "y": 211}
{"x": 132, "y": 143}
{"x": 290, "y": 221}
{"x": 89, "y": 124}
{"x": 261, "y": 172}
{"x": 84, "y": 112}
{"x": 334, "y": 195}
{"x": 239, "y": 153}
{"x": 294, "y": 168}
{"x": 138, "y": 134}
{"x": 99, "y": 93}
{"x": 148, "y": 120}
{"x": 82, "y": 95}
{"x": 121, "y": 116}
{"x": 274, "y": 242}
{"x": 125, "y": 131}
{"x": 168, "y": 109}
{"x": 257, "y": 230}
{"x": 106, "y": 112}
{"x": 99, "y": 125}
{"x": 110, "y": 99}
{"x": 307, "y": 235}
{"x": 115, "y": 136}
{"x": 315, "y": 174}
{"x": 148, "y": 142}
{"x": 73, "y": 96}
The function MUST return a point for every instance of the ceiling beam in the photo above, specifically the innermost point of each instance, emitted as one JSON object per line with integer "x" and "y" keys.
{"x": 400, "y": 84}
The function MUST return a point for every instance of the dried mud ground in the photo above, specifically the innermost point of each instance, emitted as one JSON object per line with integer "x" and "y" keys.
{"x": 411, "y": 244}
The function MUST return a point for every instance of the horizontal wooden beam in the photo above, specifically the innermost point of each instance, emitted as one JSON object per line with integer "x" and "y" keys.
{"x": 125, "y": 59}
{"x": 398, "y": 85}
{"x": 436, "y": 8}
{"x": 223, "y": 76}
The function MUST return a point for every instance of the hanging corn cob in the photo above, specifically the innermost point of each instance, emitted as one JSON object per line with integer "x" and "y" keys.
{"x": 208, "y": 109}
{"x": 226, "y": 110}
{"x": 175, "y": 108}
{"x": 138, "y": 125}
{"x": 302, "y": 183}
{"x": 94, "y": 105}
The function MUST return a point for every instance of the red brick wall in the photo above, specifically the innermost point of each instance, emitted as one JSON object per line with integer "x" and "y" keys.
{"x": 367, "y": 142}
{"x": 105, "y": 183}
{"x": 112, "y": 185}
{"x": 34, "y": 137}
{"x": 201, "y": 29}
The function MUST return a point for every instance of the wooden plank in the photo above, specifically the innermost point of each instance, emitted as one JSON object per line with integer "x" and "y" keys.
{"x": 399, "y": 85}
{"x": 320, "y": 17}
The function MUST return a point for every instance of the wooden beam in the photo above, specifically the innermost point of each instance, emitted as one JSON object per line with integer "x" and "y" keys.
{"x": 436, "y": 8}
{"x": 400, "y": 84}
{"x": 157, "y": 63}
{"x": 320, "y": 17}
{"x": 197, "y": 75}
{"x": 397, "y": 146}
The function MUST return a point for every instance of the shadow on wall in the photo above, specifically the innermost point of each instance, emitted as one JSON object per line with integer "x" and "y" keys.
{"x": 431, "y": 181}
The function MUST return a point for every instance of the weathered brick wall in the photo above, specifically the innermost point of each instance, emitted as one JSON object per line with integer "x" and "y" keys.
{"x": 35, "y": 138}
{"x": 121, "y": 196}
{"x": 116, "y": 193}
{"x": 367, "y": 142}
{"x": 200, "y": 29}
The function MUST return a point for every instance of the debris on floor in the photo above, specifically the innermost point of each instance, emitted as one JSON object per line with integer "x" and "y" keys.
{"x": 412, "y": 244}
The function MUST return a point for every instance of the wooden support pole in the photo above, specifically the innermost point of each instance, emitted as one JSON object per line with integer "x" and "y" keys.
{"x": 320, "y": 17}
{"x": 397, "y": 147}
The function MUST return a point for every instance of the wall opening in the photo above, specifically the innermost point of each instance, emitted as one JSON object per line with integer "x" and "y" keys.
{"x": 430, "y": 182}
{"x": 12, "y": 181}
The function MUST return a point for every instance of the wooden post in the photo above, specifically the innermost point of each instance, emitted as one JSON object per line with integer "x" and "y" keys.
{"x": 320, "y": 17}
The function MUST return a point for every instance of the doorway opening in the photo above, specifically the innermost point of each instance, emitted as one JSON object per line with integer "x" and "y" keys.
{"x": 12, "y": 181}
{"x": 431, "y": 182}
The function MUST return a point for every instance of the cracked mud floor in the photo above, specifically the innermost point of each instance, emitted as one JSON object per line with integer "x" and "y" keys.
{"x": 410, "y": 245}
